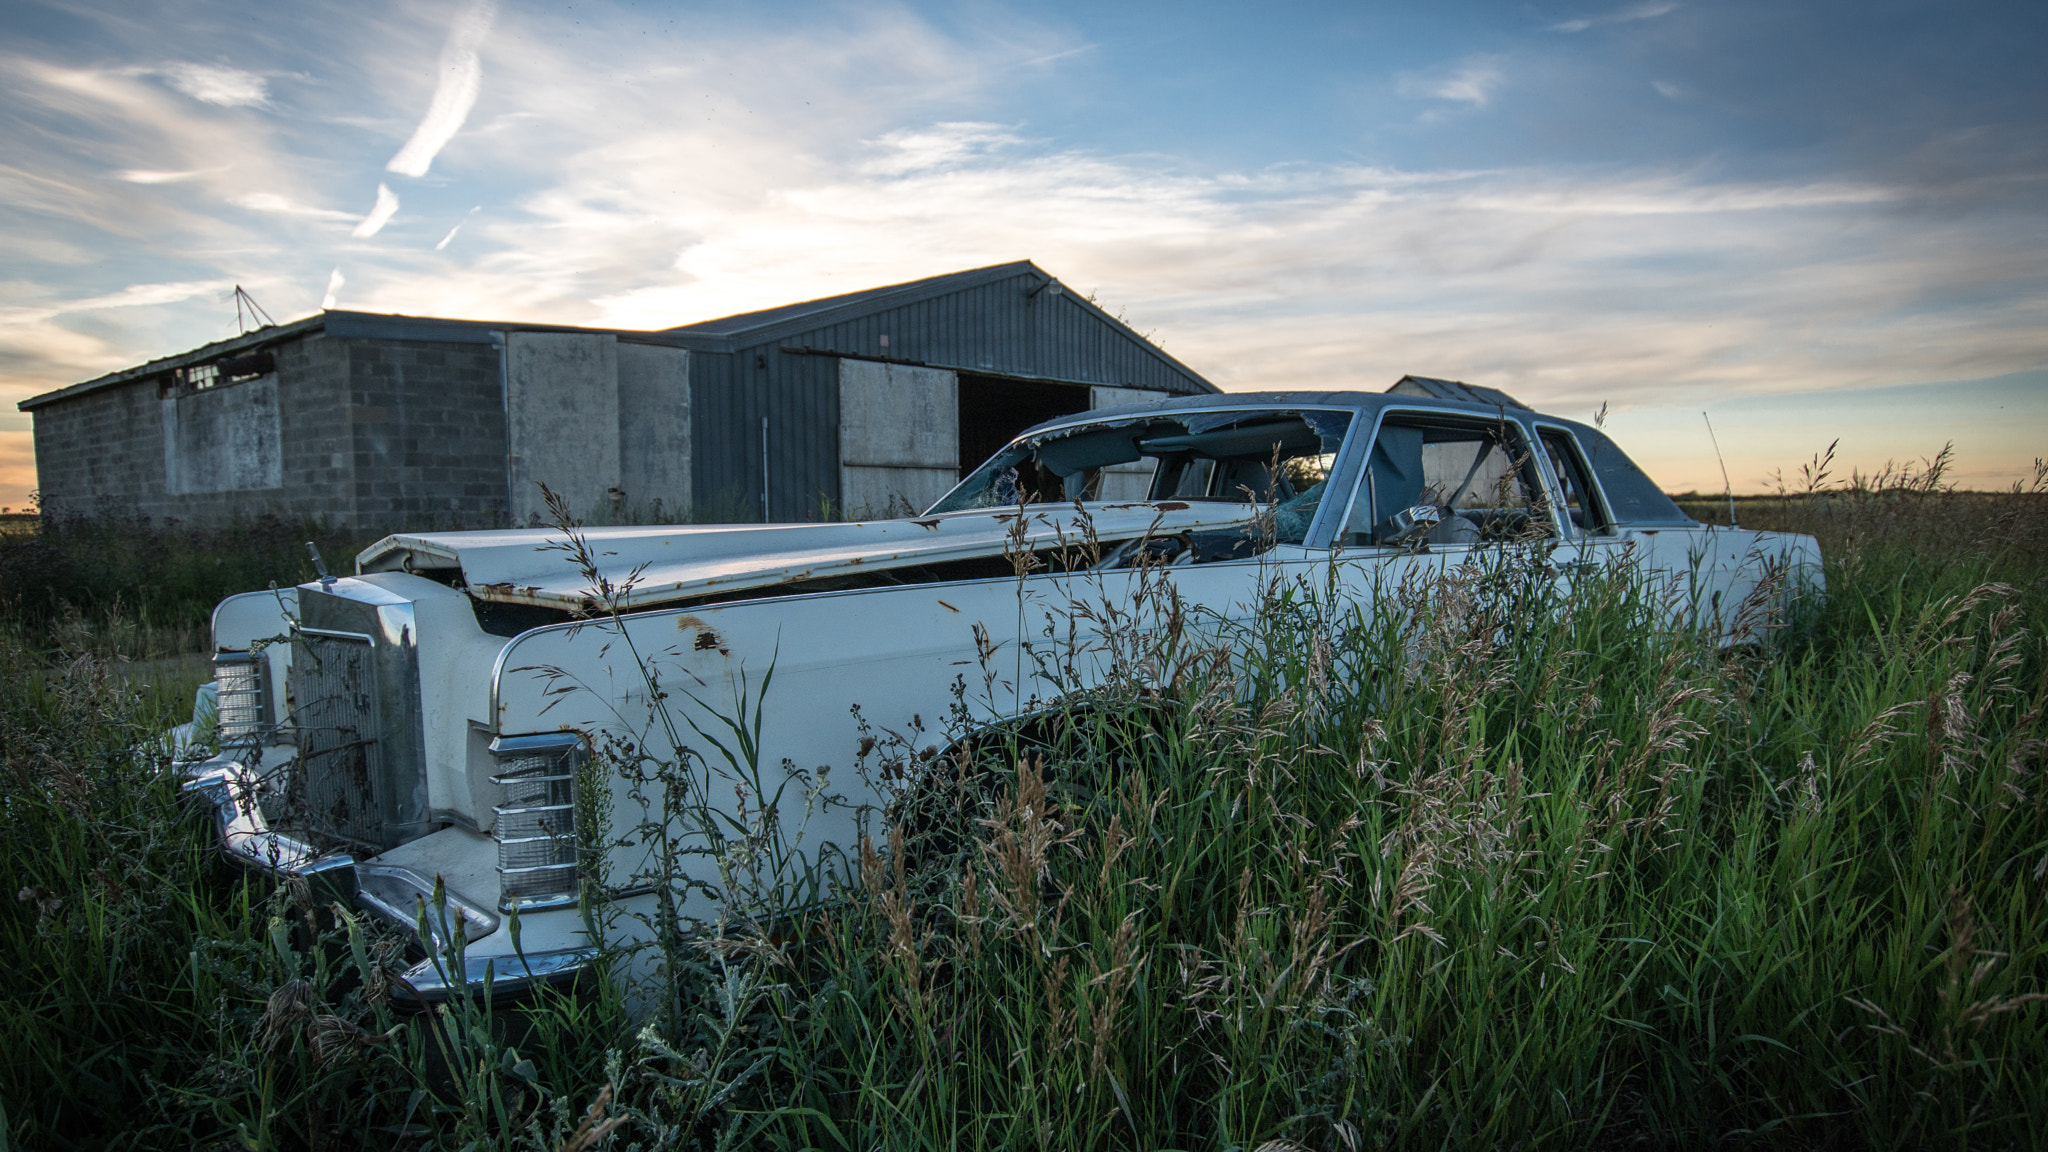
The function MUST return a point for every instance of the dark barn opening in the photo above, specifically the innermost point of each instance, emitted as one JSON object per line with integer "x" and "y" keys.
{"x": 993, "y": 409}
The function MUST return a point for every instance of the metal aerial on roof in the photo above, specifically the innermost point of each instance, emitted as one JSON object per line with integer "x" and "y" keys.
{"x": 1454, "y": 390}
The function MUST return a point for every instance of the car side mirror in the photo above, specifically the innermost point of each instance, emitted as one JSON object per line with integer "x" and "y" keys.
{"x": 1408, "y": 525}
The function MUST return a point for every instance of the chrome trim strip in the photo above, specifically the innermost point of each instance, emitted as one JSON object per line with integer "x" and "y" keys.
{"x": 384, "y": 888}
{"x": 430, "y": 981}
{"x": 537, "y": 742}
{"x": 230, "y": 789}
{"x": 245, "y": 835}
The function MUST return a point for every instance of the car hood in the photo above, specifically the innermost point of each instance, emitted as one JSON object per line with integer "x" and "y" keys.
{"x": 657, "y": 564}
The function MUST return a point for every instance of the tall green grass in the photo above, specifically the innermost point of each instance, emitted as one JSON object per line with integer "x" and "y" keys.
{"x": 1556, "y": 881}
{"x": 1476, "y": 867}
{"x": 122, "y": 586}
{"x": 156, "y": 998}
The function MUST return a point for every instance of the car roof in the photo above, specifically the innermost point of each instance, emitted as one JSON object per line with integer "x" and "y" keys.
{"x": 1634, "y": 498}
{"x": 1361, "y": 402}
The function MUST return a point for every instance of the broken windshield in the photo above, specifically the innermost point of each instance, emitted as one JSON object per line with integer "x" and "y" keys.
{"x": 1260, "y": 457}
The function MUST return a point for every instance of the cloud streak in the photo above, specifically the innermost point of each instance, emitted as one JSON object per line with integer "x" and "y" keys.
{"x": 461, "y": 77}
{"x": 218, "y": 84}
{"x": 380, "y": 214}
{"x": 273, "y": 204}
{"x": 1472, "y": 82}
{"x": 1630, "y": 14}
{"x": 133, "y": 296}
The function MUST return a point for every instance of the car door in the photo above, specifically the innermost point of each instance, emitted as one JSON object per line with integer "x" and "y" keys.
{"x": 1701, "y": 575}
{"x": 1588, "y": 540}
{"x": 1440, "y": 490}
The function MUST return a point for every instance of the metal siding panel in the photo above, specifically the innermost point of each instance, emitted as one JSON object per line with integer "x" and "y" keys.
{"x": 786, "y": 437}
{"x": 720, "y": 486}
{"x": 817, "y": 458}
{"x": 990, "y": 325}
{"x": 803, "y": 455}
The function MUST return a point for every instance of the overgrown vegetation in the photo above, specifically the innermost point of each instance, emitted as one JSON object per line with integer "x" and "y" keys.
{"x": 1478, "y": 868}
{"x": 121, "y": 586}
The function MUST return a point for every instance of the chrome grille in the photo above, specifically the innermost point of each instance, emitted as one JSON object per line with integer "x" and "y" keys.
{"x": 334, "y": 791}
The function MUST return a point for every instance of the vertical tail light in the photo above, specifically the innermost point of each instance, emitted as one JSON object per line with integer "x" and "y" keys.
{"x": 536, "y": 822}
{"x": 242, "y": 688}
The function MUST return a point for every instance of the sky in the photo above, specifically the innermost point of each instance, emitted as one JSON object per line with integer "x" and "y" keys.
{"x": 1812, "y": 222}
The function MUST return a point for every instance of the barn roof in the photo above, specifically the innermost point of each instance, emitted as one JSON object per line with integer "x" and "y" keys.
{"x": 724, "y": 334}
{"x": 828, "y": 318}
{"x": 824, "y": 310}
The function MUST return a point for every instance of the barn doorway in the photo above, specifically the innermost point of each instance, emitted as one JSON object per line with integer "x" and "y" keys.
{"x": 993, "y": 409}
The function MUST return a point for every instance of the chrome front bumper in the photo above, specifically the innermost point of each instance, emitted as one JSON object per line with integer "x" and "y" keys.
{"x": 404, "y": 898}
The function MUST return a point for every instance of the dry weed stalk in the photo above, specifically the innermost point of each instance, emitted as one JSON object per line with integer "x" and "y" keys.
{"x": 1022, "y": 835}
{"x": 892, "y": 898}
{"x": 1965, "y": 967}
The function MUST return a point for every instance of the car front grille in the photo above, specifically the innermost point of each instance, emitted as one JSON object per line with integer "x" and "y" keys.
{"x": 358, "y": 782}
{"x": 334, "y": 792}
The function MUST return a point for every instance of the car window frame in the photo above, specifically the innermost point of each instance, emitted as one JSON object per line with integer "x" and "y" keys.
{"x": 1526, "y": 427}
{"x": 1609, "y": 529}
{"x": 1322, "y": 529}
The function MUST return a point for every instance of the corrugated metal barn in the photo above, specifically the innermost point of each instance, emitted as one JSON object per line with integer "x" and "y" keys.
{"x": 852, "y": 405}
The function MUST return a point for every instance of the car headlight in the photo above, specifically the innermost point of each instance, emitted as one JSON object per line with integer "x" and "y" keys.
{"x": 538, "y": 845}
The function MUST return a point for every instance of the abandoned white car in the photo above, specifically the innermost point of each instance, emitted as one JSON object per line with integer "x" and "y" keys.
{"x": 441, "y": 715}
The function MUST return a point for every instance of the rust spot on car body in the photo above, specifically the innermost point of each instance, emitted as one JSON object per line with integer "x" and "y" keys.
{"x": 1173, "y": 506}
{"x": 947, "y": 607}
{"x": 706, "y": 638}
{"x": 932, "y": 523}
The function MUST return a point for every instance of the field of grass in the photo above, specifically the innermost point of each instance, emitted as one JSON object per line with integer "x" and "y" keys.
{"x": 1476, "y": 870}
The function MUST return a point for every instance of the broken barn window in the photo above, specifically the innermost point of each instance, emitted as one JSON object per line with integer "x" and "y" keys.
{"x": 218, "y": 373}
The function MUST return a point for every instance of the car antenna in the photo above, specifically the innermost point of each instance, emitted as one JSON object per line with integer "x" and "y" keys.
{"x": 319, "y": 565}
{"x": 1725, "y": 485}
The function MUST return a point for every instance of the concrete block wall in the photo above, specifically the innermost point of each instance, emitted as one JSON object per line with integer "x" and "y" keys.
{"x": 373, "y": 436}
{"x": 426, "y": 429}
{"x": 319, "y": 466}
{"x": 103, "y": 448}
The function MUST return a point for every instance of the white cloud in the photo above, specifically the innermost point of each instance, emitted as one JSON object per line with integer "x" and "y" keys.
{"x": 458, "y": 227}
{"x": 146, "y": 176}
{"x": 1667, "y": 89}
{"x": 461, "y": 76}
{"x": 335, "y": 280}
{"x": 218, "y": 84}
{"x": 1473, "y": 82}
{"x": 1569, "y": 287}
{"x": 380, "y": 214}
{"x": 276, "y": 205}
{"x": 133, "y": 296}
{"x": 940, "y": 145}
{"x": 1633, "y": 12}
